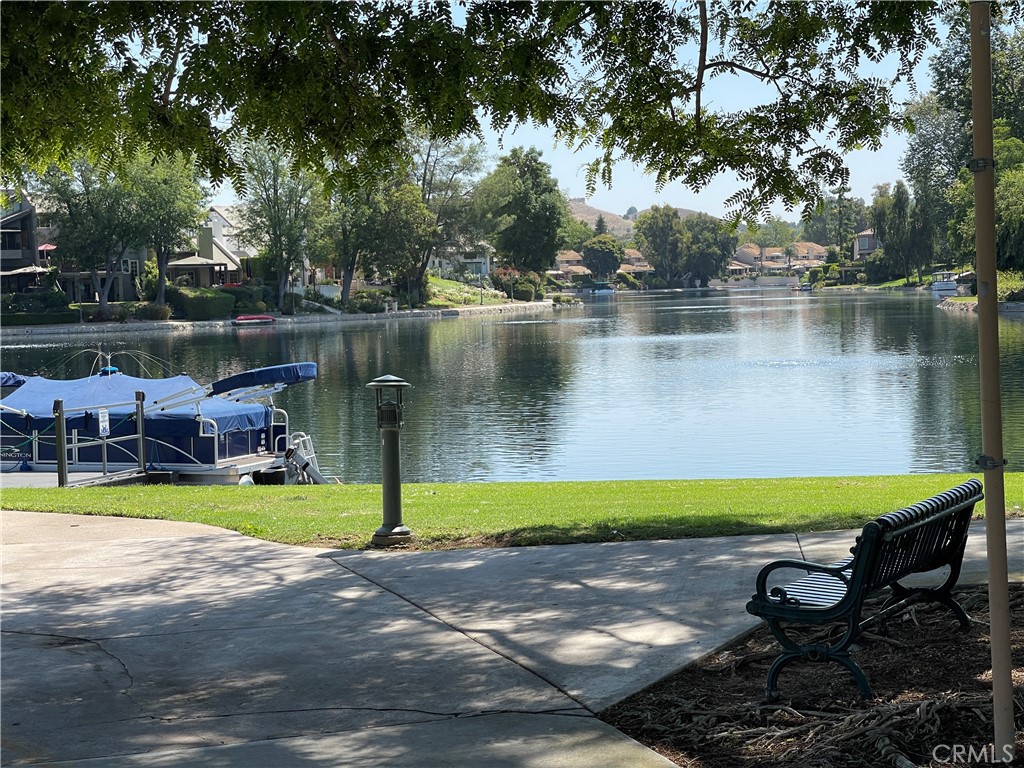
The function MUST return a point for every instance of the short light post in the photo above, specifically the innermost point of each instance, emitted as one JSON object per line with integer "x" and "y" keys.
{"x": 388, "y": 391}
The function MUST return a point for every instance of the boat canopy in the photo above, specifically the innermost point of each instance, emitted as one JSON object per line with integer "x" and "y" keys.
{"x": 82, "y": 399}
{"x": 291, "y": 373}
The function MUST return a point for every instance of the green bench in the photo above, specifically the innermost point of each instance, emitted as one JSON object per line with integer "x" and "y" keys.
{"x": 929, "y": 535}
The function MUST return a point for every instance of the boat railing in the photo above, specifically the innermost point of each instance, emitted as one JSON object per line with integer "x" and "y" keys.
{"x": 279, "y": 430}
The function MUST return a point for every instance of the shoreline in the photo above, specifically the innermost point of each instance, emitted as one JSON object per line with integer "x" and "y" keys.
{"x": 282, "y": 322}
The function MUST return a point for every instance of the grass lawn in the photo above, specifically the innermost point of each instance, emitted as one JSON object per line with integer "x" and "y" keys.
{"x": 516, "y": 514}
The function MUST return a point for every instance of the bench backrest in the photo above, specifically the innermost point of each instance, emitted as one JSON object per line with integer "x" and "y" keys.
{"x": 921, "y": 537}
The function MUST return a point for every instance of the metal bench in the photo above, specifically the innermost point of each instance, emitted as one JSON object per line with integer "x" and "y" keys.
{"x": 929, "y": 535}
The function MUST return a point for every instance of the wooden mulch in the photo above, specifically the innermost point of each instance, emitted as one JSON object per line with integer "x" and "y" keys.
{"x": 932, "y": 691}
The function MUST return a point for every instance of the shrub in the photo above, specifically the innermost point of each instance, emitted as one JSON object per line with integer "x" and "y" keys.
{"x": 36, "y": 301}
{"x": 201, "y": 303}
{"x": 150, "y": 311}
{"x": 523, "y": 290}
{"x": 626, "y": 279}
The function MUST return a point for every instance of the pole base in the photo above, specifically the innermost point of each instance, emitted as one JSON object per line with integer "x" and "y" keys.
{"x": 390, "y": 535}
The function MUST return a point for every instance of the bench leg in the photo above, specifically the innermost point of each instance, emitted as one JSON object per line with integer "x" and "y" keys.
{"x": 902, "y": 596}
{"x": 771, "y": 690}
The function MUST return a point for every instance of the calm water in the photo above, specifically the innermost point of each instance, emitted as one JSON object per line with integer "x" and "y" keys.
{"x": 756, "y": 383}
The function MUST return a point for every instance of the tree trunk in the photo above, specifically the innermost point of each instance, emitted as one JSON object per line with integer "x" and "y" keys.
{"x": 282, "y": 288}
{"x": 161, "y": 279}
{"x": 348, "y": 273}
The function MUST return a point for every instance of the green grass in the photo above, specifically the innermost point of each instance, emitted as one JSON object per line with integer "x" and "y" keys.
{"x": 515, "y": 514}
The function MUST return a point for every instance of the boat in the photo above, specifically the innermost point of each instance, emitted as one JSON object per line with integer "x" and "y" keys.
{"x": 254, "y": 320}
{"x": 602, "y": 289}
{"x": 944, "y": 283}
{"x": 113, "y": 426}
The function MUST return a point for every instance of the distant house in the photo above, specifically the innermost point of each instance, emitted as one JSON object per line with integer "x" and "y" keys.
{"x": 569, "y": 266}
{"x": 468, "y": 258}
{"x": 776, "y": 261}
{"x": 19, "y": 257}
{"x": 220, "y": 257}
{"x": 634, "y": 263}
{"x": 864, "y": 244}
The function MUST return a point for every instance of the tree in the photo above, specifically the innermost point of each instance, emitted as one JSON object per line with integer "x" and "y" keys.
{"x": 396, "y": 229}
{"x": 630, "y": 215}
{"x": 533, "y": 212}
{"x": 170, "y": 207}
{"x": 602, "y": 255}
{"x": 446, "y": 173}
{"x": 335, "y": 85}
{"x": 899, "y": 235}
{"x": 95, "y": 216}
{"x": 775, "y": 233}
{"x": 662, "y": 240}
{"x": 278, "y": 213}
{"x": 835, "y": 219}
{"x": 575, "y": 233}
{"x": 1009, "y": 157}
{"x": 710, "y": 248}
{"x": 338, "y": 236}
{"x": 1010, "y": 218}
{"x": 600, "y": 228}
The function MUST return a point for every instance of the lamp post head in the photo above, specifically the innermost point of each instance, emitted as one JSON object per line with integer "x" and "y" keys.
{"x": 389, "y": 411}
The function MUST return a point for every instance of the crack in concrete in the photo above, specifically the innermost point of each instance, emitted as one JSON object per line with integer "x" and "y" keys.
{"x": 465, "y": 634}
{"x": 70, "y": 640}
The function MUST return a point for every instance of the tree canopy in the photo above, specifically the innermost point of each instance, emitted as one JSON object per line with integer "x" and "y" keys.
{"x": 335, "y": 85}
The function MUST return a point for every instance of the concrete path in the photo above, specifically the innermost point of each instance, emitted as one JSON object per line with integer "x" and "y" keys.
{"x": 153, "y": 643}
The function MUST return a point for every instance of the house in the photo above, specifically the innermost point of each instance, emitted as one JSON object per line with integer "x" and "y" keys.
{"x": 864, "y": 244}
{"x": 569, "y": 267}
{"x": 798, "y": 257}
{"x": 212, "y": 263}
{"x": 462, "y": 258}
{"x": 635, "y": 264}
{"x": 19, "y": 257}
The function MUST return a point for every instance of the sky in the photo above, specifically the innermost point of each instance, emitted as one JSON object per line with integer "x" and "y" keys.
{"x": 632, "y": 187}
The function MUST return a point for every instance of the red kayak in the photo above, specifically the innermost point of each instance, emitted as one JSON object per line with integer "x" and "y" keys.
{"x": 254, "y": 320}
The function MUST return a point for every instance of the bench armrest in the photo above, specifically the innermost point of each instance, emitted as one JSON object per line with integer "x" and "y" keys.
{"x": 839, "y": 570}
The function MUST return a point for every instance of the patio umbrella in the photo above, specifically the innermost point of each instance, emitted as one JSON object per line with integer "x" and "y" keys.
{"x": 991, "y": 461}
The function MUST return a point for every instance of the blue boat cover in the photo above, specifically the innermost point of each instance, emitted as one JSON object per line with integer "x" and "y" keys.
{"x": 8, "y": 379}
{"x": 291, "y": 373}
{"x": 37, "y": 394}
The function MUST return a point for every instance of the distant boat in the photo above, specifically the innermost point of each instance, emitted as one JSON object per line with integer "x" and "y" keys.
{"x": 944, "y": 282}
{"x": 602, "y": 289}
{"x": 254, "y": 320}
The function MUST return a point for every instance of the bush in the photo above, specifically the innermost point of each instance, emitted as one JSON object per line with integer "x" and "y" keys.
{"x": 523, "y": 290}
{"x": 368, "y": 300}
{"x": 1010, "y": 286}
{"x": 150, "y": 311}
{"x": 626, "y": 279}
{"x": 36, "y": 301}
{"x": 201, "y": 303}
{"x": 39, "y": 318}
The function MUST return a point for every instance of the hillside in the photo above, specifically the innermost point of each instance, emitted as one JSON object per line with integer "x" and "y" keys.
{"x": 618, "y": 226}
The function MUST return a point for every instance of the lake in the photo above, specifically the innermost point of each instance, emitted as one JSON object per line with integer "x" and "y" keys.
{"x": 724, "y": 384}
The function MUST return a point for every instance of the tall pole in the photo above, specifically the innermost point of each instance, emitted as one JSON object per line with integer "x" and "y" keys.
{"x": 991, "y": 460}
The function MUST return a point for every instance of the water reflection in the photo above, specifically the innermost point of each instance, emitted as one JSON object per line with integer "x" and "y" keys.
{"x": 729, "y": 384}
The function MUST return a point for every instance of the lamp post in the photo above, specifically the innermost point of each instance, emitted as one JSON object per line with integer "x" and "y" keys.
{"x": 388, "y": 391}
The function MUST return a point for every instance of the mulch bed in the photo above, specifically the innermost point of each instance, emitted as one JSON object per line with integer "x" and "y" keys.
{"x": 932, "y": 690}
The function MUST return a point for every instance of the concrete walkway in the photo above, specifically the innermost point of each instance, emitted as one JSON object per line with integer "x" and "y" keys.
{"x": 153, "y": 643}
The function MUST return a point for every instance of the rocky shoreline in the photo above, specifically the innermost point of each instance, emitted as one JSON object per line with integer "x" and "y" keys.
{"x": 1011, "y": 308}
{"x": 283, "y": 322}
